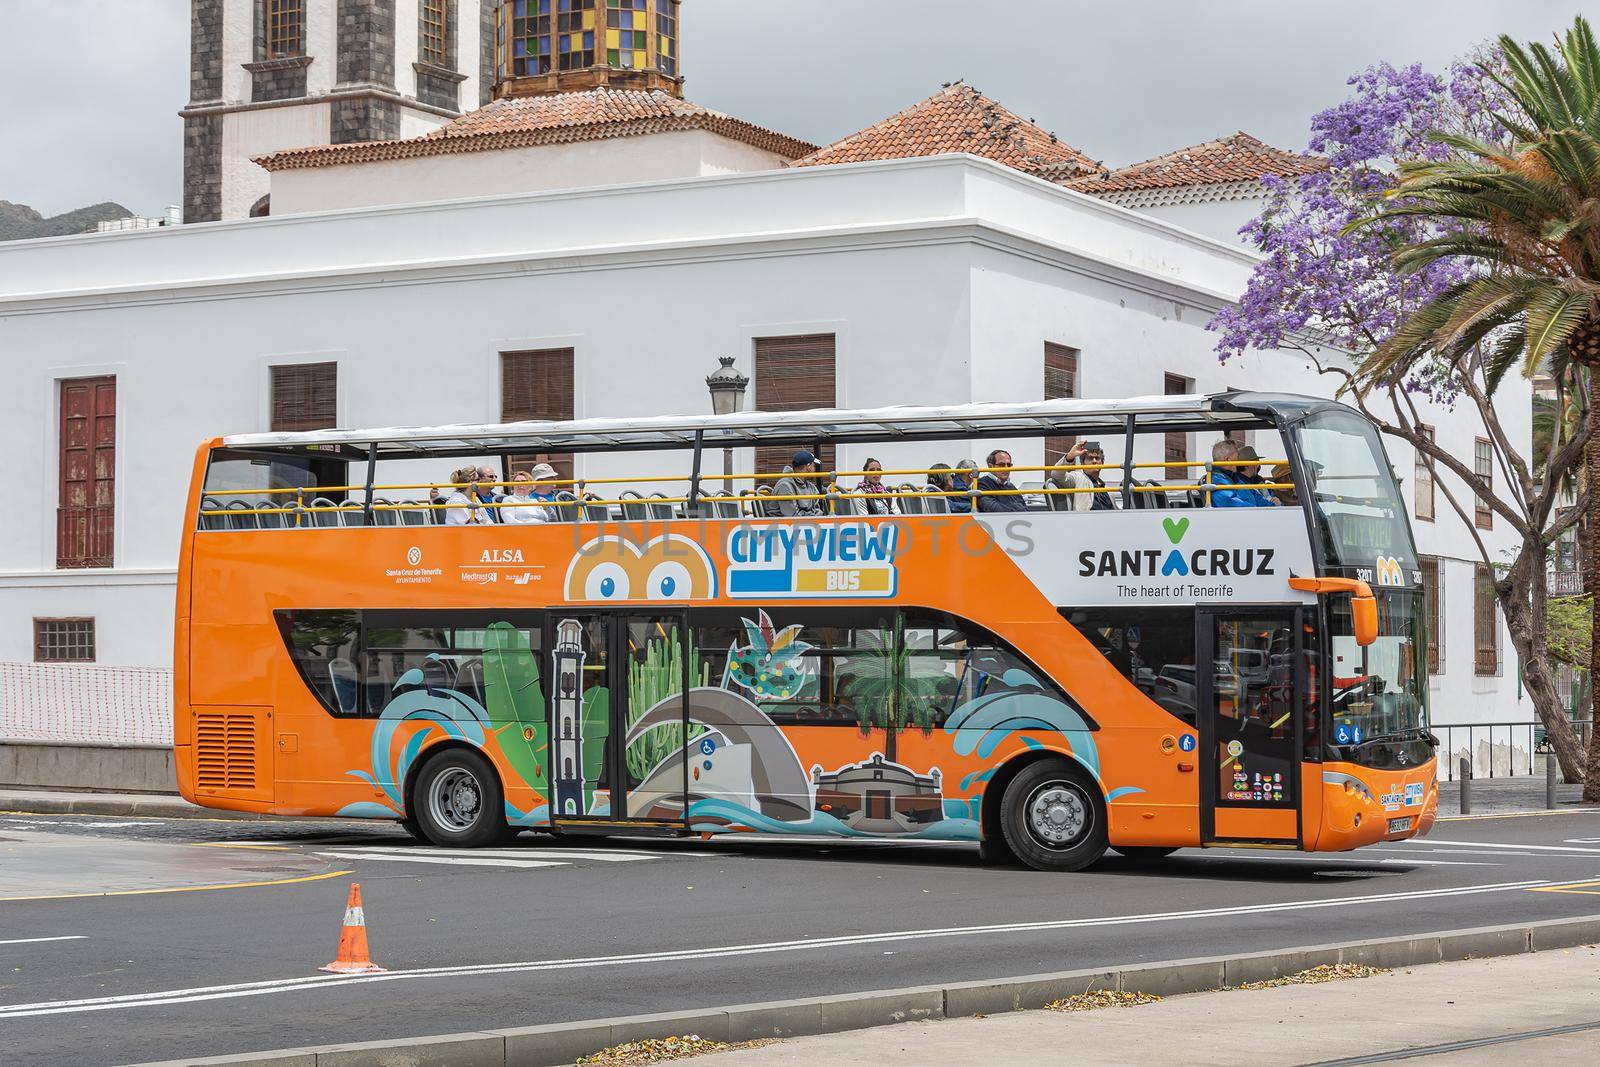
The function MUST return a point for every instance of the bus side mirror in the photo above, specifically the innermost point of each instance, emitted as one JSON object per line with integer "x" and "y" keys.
{"x": 1363, "y": 605}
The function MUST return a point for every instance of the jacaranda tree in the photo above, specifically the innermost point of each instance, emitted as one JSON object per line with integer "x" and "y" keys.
{"x": 1345, "y": 288}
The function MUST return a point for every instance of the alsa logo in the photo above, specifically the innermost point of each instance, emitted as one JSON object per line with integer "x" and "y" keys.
{"x": 1175, "y": 561}
{"x": 501, "y": 555}
{"x": 1389, "y": 572}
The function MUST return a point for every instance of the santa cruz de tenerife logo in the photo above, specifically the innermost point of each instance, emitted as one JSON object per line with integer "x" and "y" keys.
{"x": 413, "y": 555}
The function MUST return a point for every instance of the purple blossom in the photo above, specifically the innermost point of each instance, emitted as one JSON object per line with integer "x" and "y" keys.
{"x": 1317, "y": 281}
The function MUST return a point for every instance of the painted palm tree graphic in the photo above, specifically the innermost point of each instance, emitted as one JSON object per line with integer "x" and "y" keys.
{"x": 890, "y": 685}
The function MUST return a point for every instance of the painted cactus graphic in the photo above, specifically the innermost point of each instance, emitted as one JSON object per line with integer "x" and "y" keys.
{"x": 515, "y": 702}
{"x": 770, "y": 666}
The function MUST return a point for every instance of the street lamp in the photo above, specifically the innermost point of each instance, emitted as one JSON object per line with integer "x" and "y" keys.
{"x": 727, "y": 398}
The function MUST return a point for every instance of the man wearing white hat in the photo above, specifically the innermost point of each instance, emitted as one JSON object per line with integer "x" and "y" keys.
{"x": 529, "y": 489}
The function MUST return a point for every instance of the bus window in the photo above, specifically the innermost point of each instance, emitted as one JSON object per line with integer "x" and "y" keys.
{"x": 803, "y": 667}
{"x": 323, "y": 647}
{"x": 1151, "y": 647}
{"x": 949, "y": 663}
{"x": 1360, "y": 514}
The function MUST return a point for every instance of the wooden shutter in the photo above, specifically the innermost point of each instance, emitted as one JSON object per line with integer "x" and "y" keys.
{"x": 1431, "y": 594}
{"x": 305, "y": 396}
{"x": 1176, "y": 448}
{"x": 88, "y": 464}
{"x": 1060, "y": 383}
{"x": 1485, "y": 633}
{"x": 1422, "y": 479}
{"x": 794, "y": 374}
{"x": 537, "y": 386}
{"x": 1483, "y": 467}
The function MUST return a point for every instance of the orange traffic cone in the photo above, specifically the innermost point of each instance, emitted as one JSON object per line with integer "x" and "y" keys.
{"x": 353, "y": 957}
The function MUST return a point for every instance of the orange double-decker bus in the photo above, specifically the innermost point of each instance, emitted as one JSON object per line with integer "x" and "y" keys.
{"x": 1119, "y": 646}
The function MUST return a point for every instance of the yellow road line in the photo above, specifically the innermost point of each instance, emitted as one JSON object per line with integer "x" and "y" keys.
{"x": 1589, "y": 889}
{"x": 182, "y": 888}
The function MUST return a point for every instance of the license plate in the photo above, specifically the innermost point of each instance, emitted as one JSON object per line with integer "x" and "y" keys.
{"x": 1397, "y": 825}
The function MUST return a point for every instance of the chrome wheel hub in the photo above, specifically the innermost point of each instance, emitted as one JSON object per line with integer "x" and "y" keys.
{"x": 455, "y": 799}
{"x": 1057, "y": 814}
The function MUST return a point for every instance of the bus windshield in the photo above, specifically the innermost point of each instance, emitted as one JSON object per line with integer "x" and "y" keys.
{"x": 1379, "y": 691}
{"x": 1360, "y": 515}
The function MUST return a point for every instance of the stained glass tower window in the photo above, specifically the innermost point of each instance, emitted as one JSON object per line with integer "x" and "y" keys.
{"x": 564, "y": 45}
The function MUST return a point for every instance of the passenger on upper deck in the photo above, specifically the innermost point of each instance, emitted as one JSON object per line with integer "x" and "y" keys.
{"x": 1091, "y": 454}
{"x": 798, "y": 482}
{"x": 463, "y": 507}
{"x": 526, "y": 499}
{"x": 1227, "y": 452}
{"x": 998, "y": 480}
{"x": 874, "y": 504}
{"x": 962, "y": 481}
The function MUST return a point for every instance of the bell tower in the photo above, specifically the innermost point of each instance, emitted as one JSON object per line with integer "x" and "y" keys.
{"x": 559, "y": 46}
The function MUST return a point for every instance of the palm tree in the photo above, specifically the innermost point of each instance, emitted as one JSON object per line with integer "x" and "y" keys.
{"x": 1526, "y": 215}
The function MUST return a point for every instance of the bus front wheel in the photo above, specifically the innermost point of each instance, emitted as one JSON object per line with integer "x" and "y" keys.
{"x": 457, "y": 801}
{"x": 1053, "y": 817}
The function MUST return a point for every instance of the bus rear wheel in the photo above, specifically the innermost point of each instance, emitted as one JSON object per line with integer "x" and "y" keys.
{"x": 1053, "y": 817}
{"x": 457, "y": 801}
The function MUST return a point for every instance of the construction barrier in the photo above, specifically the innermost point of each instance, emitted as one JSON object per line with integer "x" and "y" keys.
{"x": 85, "y": 703}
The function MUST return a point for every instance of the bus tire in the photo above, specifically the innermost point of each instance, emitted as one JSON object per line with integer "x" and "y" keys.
{"x": 1143, "y": 852}
{"x": 1054, "y": 817}
{"x": 458, "y": 801}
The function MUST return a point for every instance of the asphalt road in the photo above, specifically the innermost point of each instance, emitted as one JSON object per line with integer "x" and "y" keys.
{"x": 213, "y": 938}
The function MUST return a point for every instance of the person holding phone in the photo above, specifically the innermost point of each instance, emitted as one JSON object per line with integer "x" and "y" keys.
{"x": 1089, "y": 453}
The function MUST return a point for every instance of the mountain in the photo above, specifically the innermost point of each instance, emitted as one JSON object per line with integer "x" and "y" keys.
{"x": 19, "y": 221}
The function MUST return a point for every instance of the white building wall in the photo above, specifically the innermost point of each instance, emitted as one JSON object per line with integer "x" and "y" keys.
{"x": 1221, "y": 219}
{"x": 580, "y": 165}
{"x": 941, "y": 279}
{"x": 255, "y": 132}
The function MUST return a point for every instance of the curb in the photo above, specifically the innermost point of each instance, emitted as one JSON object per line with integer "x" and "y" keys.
{"x": 558, "y": 1044}
{"x": 150, "y": 806}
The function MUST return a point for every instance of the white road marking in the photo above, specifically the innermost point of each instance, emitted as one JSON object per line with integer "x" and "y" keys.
{"x": 289, "y": 985}
{"x": 1467, "y": 852}
{"x": 605, "y": 856}
{"x": 1501, "y": 844}
{"x": 350, "y": 855}
{"x": 37, "y": 940}
{"x": 1443, "y": 863}
{"x": 118, "y": 824}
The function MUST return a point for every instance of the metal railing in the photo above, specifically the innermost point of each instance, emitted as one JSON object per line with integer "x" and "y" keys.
{"x": 1498, "y": 749}
{"x": 85, "y": 536}
{"x": 296, "y": 507}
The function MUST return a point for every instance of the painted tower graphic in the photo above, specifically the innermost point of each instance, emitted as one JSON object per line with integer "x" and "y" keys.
{"x": 567, "y": 670}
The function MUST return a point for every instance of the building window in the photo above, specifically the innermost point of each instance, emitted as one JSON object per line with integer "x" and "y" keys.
{"x": 305, "y": 396}
{"x": 1483, "y": 466}
{"x": 87, "y": 460}
{"x": 667, "y": 37}
{"x": 1060, "y": 383}
{"x": 63, "y": 640}
{"x": 1433, "y": 603}
{"x": 286, "y": 28}
{"x": 1177, "y": 442}
{"x": 1486, "y": 635}
{"x": 537, "y": 386}
{"x": 627, "y": 34}
{"x": 434, "y": 47}
{"x": 794, "y": 374}
{"x": 1422, "y": 480}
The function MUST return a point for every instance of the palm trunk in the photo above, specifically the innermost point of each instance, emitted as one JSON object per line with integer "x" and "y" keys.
{"x": 1524, "y": 600}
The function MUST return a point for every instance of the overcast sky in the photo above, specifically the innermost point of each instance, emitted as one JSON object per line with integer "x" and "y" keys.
{"x": 91, "y": 101}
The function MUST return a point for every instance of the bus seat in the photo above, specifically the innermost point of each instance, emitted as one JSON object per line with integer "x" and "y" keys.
{"x": 934, "y": 504}
{"x": 324, "y": 518}
{"x": 750, "y": 503}
{"x": 212, "y": 522}
{"x": 1195, "y": 498}
{"x": 568, "y": 513}
{"x": 725, "y": 505}
{"x": 268, "y": 515}
{"x": 412, "y": 513}
{"x": 383, "y": 513}
{"x": 659, "y": 508}
{"x": 595, "y": 509}
{"x": 241, "y": 516}
{"x": 769, "y": 509}
{"x": 633, "y": 506}
{"x": 1059, "y": 501}
{"x": 346, "y": 685}
{"x": 910, "y": 499}
{"x": 352, "y": 514}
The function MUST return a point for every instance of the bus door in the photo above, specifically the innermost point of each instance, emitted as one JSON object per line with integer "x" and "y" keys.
{"x": 618, "y": 716}
{"x": 1251, "y": 686}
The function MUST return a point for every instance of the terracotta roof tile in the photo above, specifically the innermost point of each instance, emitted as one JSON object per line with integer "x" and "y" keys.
{"x": 519, "y": 122}
{"x": 1228, "y": 159}
{"x": 957, "y": 119}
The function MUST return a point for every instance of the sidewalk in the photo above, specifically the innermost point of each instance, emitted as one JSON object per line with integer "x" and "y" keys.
{"x": 1296, "y": 1024}
{"x": 1503, "y": 796}
{"x": 147, "y": 805}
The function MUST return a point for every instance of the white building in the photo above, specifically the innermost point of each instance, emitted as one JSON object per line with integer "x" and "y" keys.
{"x": 629, "y": 239}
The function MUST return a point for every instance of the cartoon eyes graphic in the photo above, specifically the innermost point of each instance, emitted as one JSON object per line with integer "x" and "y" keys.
{"x": 608, "y": 581}
{"x": 668, "y": 581}
{"x": 668, "y": 568}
